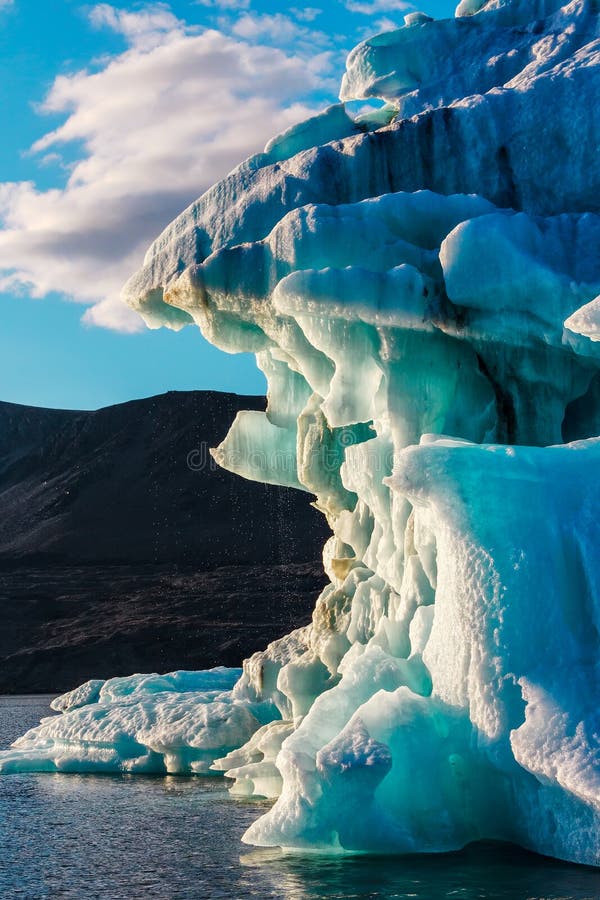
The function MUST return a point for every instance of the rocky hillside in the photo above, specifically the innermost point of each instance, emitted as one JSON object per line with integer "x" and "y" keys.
{"x": 135, "y": 483}
{"x": 124, "y": 548}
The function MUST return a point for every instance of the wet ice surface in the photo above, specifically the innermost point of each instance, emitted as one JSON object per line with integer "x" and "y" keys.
{"x": 135, "y": 837}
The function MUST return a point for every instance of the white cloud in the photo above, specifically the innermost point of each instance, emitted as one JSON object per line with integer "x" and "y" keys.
{"x": 224, "y": 4}
{"x": 384, "y": 24}
{"x": 308, "y": 14}
{"x": 373, "y": 7}
{"x": 282, "y": 29}
{"x": 158, "y": 125}
{"x": 144, "y": 28}
{"x": 5, "y": 3}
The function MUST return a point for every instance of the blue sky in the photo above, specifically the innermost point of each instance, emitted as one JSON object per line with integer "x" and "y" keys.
{"x": 113, "y": 118}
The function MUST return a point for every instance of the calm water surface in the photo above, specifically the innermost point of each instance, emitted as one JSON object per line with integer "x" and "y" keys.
{"x": 66, "y": 836}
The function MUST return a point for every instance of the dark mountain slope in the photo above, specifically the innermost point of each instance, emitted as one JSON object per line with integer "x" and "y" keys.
{"x": 120, "y": 552}
{"x": 135, "y": 483}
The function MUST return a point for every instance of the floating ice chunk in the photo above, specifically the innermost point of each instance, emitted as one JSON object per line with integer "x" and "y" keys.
{"x": 176, "y": 724}
{"x": 414, "y": 279}
{"x": 427, "y": 270}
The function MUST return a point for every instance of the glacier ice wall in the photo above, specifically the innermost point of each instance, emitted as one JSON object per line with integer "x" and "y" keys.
{"x": 421, "y": 286}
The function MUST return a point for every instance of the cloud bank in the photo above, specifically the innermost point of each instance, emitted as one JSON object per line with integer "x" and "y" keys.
{"x": 156, "y": 125}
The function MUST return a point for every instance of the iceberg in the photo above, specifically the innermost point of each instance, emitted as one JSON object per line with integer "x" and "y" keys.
{"x": 420, "y": 287}
{"x": 144, "y": 724}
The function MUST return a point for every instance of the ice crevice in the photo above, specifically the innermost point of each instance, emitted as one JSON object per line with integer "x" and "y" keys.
{"x": 421, "y": 288}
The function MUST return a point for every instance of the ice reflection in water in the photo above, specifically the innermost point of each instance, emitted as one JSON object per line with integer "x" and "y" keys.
{"x": 488, "y": 871}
